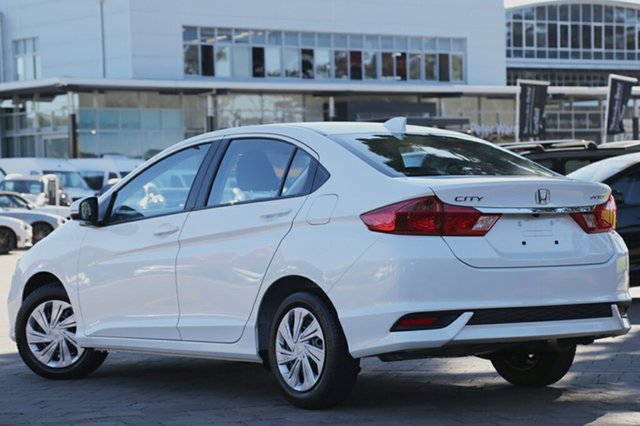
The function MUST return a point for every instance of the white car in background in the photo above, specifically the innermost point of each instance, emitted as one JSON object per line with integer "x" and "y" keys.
{"x": 13, "y": 200}
{"x": 309, "y": 246}
{"x": 45, "y": 190}
{"x": 73, "y": 183}
{"x": 14, "y": 233}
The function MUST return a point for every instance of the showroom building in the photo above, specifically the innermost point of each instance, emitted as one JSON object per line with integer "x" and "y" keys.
{"x": 83, "y": 78}
{"x": 118, "y": 76}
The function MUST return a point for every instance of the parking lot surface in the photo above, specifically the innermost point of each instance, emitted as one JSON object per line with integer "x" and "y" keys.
{"x": 602, "y": 388}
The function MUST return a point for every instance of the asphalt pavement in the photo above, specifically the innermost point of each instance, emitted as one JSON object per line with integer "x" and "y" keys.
{"x": 602, "y": 388}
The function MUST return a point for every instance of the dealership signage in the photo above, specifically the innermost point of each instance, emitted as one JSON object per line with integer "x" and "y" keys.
{"x": 530, "y": 104}
{"x": 617, "y": 99}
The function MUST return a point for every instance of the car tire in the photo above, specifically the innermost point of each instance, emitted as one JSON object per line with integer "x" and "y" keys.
{"x": 7, "y": 240}
{"x": 534, "y": 365}
{"x": 45, "y": 336}
{"x": 40, "y": 230}
{"x": 314, "y": 368}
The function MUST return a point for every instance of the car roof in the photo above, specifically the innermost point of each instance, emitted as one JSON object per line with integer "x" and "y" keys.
{"x": 604, "y": 169}
{"x": 16, "y": 176}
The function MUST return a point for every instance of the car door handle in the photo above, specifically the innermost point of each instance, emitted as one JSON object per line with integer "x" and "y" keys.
{"x": 166, "y": 229}
{"x": 273, "y": 215}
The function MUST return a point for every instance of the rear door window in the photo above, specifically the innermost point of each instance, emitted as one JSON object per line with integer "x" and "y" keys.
{"x": 437, "y": 155}
{"x": 252, "y": 170}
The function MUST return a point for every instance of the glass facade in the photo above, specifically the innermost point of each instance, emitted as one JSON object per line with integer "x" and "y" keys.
{"x": 26, "y": 59}
{"x": 563, "y": 77}
{"x": 35, "y": 126}
{"x": 136, "y": 124}
{"x": 590, "y": 34}
{"x": 574, "y": 32}
{"x": 258, "y": 54}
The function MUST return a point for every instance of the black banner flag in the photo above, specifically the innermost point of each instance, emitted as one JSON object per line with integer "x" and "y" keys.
{"x": 531, "y": 102}
{"x": 617, "y": 99}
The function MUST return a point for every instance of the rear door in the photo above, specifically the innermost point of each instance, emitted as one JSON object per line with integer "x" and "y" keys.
{"x": 227, "y": 244}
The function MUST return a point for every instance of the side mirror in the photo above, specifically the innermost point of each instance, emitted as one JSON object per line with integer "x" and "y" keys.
{"x": 617, "y": 195}
{"x": 85, "y": 210}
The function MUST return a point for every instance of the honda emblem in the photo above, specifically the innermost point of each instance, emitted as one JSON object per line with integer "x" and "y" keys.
{"x": 543, "y": 196}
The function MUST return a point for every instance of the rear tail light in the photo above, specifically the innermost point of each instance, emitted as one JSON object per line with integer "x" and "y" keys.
{"x": 601, "y": 219}
{"x": 429, "y": 216}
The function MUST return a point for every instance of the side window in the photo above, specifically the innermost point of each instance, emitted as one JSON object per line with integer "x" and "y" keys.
{"x": 5, "y": 201}
{"x": 300, "y": 175}
{"x": 161, "y": 189}
{"x": 251, "y": 170}
{"x": 628, "y": 185}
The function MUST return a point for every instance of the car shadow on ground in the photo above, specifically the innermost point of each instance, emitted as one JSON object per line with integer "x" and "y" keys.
{"x": 159, "y": 388}
{"x": 155, "y": 389}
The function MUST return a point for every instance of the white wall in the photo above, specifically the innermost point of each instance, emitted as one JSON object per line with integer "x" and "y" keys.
{"x": 68, "y": 33}
{"x": 157, "y": 26}
{"x": 144, "y": 37}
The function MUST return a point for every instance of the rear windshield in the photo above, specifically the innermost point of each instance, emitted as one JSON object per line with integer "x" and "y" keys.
{"x": 434, "y": 155}
{"x": 22, "y": 186}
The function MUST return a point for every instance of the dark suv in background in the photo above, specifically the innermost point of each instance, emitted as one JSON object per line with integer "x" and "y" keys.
{"x": 566, "y": 156}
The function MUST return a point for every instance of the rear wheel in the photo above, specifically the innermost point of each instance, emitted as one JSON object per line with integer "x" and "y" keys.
{"x": 534, "y": 365}
{"x": 308, "y": 353}
{"x": 7, "y": 240}
{"x": 46, "y": 336}
{"x": 41, "y": 230}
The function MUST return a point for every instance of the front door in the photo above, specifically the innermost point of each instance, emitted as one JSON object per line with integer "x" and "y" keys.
{"x": 127, "y": 279}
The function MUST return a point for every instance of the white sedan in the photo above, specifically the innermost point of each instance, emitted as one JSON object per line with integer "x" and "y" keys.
{"x": 310, "y": 246}
{"x": 14, "y": 233}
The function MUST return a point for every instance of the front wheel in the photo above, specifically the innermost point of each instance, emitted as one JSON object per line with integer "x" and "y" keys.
{"x": 7, "y": 240}
{"x": 534, "y": 365}
{"x": 46, "y": 336}
{"x": 308, "y": 353}
{"x": 41, "y": 230}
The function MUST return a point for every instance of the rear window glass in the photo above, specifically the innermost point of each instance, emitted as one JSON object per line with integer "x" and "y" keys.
{"x": 435, "y": 155}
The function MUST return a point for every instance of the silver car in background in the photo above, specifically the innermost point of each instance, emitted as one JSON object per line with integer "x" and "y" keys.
{"x": 43, "y": 223}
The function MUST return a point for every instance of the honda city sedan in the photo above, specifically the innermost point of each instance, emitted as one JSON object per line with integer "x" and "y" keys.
{"x": 310, "y": 246}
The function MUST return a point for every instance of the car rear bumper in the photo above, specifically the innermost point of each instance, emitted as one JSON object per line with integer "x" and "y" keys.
{"x": 460, "y": 333}
{"x": 389, "y": 281}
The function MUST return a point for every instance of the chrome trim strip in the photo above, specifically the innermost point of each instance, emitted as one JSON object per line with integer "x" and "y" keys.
{"x": 536, "y": 210}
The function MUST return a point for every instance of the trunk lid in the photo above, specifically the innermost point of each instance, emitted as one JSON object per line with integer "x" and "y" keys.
{"x": 518, "y": 192}
{"x": 533, "y": 229}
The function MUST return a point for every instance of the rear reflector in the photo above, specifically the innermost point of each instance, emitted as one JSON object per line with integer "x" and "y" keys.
{"x": 425, "y": 321}
{"x": 601, "y": 219}
{"x": 429, "y": 216}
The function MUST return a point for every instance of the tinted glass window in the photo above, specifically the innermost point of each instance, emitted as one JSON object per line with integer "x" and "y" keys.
{"x": 68, "y": 179}
{"x": 431, "y": 155}
{"x": 12, "y": 201}
{"x": 161, "y": 189}
{"x": 299, "y": 177}
{"x": 93, "y": 178}
{"x": 251, "y": 170}
{"x": 629, "y": 186}
{"x": 23, "y": 186}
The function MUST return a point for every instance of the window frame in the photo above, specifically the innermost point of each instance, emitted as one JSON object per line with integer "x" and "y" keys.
{"x": 206, "y": 187}
{"x": 109, "y": 202}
